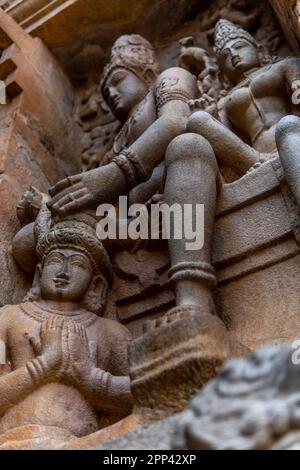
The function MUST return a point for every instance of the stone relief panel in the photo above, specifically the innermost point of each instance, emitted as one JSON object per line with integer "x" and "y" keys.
{"x": 203, "y": 116}
{"x": 195, "y": 53}
{"x": 61, "y": 353}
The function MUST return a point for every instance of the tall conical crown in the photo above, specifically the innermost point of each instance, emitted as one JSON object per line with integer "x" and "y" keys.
{"x": 225, "y": 31}
{"x": 78, "y": 232}
{"x": 136, "y": 54}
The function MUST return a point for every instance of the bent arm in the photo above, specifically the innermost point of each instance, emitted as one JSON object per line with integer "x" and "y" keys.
{"x": 17, "y": 385}
{"x": 110, "y": 392}
{"x": 136, "y": 163}
{"x": 173, "y": 90}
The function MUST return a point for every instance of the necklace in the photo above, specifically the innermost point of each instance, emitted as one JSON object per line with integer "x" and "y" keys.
{"x": 39, "y": 313}
{"x": 122, "y": 139}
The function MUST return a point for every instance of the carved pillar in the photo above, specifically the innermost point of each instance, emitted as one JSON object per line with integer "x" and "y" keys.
{"x": 288, "y": 13}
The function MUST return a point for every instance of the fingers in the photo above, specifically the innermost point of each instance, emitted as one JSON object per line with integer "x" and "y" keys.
{"x": 36, "y": 345}
{"x": 54, "y": 323}
{"x": 80, "y": 332}
{"x": 66, "y": 192}
{"x": 64, "y": 184}
{"x": 65, "y": 208}
{"x": 71, "y": 195}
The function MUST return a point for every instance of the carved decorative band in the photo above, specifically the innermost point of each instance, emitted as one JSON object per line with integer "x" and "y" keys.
{"x": 131, "y": 166}
{"x": 191, "y": 271}
{"x": 172, "y": 95}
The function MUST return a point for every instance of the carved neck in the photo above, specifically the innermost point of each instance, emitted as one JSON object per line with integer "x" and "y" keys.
{"x": 66, "y": 308}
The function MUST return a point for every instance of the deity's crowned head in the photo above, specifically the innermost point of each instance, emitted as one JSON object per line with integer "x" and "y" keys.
{"x": 74, "y": 266}
{"x": 130, "y": 74}
{"x": 237, "y": 51}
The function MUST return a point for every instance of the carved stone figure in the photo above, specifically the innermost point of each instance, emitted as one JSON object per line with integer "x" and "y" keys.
{"x": 154, "y": 111}
{"x": 66, "y": 369}
{"x": 253, "y": 404}
{"x": 260, "y": 97}
{"x": 246, "y": 138}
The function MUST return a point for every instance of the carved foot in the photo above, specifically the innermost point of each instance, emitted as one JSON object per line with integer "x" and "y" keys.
{"x": 174, "y": 358}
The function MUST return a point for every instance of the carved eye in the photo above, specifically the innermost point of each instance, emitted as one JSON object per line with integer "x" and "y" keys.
{"x": 81, "y": 263}
{"x": 54, "y": 260}
{"x": 240, "y": 45}
{"x": 118, "y": 77}
{"x": 78, "y": 263}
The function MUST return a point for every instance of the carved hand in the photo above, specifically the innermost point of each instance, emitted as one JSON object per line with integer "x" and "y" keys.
{"x": 49, "y": 348}
{"x": 205, "y": 103}
{"x": 82, "y": 360}
{"x": 75, "y": 192}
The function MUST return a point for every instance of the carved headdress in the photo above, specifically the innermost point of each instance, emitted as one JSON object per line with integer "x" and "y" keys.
{"x": 134, "y": 53}
{"x": 225, "y": 31}
{"x": 78, "y": 232}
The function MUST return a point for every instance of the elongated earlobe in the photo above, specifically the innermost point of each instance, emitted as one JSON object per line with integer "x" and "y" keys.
{"x": 35, "y": 291}
{"x": 96, "y": 297}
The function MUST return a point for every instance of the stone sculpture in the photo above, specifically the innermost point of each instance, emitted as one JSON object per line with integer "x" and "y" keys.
{"x": 127, "y": 80}
{"x": 156, "y": 137}
{"x": 257, "y": 101}
{"x": 66, "y": 369}
{"x": 253, "y": 404}
{"x": 154, "y": 111}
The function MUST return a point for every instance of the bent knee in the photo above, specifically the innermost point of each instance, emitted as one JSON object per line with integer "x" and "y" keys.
{"x": 287, "y": 125}
{"x": 189, "y": 146}
{"x": 199, "y": 122}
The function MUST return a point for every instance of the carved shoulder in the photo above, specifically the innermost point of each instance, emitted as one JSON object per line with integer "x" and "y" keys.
{"x": 117, "y": 338}
{"x": 290, "y": 67}
{"x": 175, "y": 84}
{"x": 114, "y": 330}
{"x": 7, "y": 313}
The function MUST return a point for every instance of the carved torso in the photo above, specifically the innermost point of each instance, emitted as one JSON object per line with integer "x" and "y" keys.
{"x": 256, "y": 105}
{"x": 17, "y": 325}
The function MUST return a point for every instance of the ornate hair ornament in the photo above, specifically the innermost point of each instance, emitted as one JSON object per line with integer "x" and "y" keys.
{"x": 134, "y": 53}
{"x": 226, "y": 31}
{"x": 77, "y": 232}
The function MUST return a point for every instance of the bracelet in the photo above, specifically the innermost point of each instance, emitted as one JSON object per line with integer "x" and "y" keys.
{"x": 202, "y": 272}
{"x": 131, "y": 166}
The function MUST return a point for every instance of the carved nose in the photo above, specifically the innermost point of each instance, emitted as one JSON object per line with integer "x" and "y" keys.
{"x": 64, "y": 272}
{"x": 113, "y": 95}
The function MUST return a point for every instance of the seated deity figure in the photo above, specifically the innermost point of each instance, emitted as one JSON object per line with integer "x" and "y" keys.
{"x": 260, "y": 96}
{"x": 66, "y": 371}
{"x": 154, "y": 110}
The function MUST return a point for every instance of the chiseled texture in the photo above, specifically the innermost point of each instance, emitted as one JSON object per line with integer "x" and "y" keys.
{"x": 252, "y": 404}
